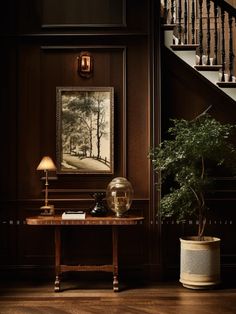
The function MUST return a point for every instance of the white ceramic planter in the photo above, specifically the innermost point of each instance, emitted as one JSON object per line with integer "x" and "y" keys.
{"x": 200, "y": 262}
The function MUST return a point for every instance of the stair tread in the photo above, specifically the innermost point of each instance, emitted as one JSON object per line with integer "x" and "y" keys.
{"x": 227, "y": 84}
{"x": 208, "y": 67}
{"x": 168, "y": 26}
{"x": 184, "y": 47}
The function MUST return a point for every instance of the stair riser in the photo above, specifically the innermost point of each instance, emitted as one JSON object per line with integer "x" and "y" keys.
{"x": 230, "y": 92}
{"x": 168, "y": 37}
{"x": 187, "y": 56}
{"x": 212, "y": 76}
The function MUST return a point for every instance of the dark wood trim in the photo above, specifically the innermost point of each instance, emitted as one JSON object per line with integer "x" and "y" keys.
{"x": 90, "y": 35}
{"x": 226, "y": 84}
{"x": 125, "y": 108}
{"x": 227, "y": 7}
{"x": 136, "y": 271}
{"x": 71, "y": 26}
{"x": 188, "y": 47}
{"x": 168, "y": 27}
{"x": 208, "y": 67}
{"x": 90, "y": 47}
{"x": 78, "y": 26}
{"x": 155, "y": 251}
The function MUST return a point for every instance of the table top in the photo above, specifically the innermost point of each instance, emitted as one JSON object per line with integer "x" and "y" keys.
{"x": 89, "y": 220}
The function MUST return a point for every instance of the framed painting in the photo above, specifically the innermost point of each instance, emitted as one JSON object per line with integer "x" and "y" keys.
{"x": 85, "y": 130}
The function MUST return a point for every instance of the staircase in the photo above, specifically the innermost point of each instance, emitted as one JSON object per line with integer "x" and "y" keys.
{"x": 203, "y": 35}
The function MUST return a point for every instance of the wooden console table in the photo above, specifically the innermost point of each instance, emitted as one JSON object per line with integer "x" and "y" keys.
{"x": 57, "y": 223}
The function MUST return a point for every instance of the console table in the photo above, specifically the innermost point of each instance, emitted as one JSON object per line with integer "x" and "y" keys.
{"x": 58, "y": 223}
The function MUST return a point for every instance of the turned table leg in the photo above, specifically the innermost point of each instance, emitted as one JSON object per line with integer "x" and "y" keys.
{"x": 57, "y": 258}
{"x": 115, "y": 258}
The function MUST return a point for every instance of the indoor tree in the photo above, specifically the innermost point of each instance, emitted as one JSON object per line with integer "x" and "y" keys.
{"x": 187, "y": 161}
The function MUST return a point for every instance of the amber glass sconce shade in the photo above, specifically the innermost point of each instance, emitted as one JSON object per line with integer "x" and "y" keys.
{"x": 46, "y": 164}
{"x": 85, "y": 64}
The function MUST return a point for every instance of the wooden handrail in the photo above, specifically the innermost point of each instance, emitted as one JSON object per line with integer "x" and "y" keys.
{"x": 226, "y": 6}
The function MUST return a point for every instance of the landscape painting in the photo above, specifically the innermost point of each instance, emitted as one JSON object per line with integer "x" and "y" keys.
{"x": 85, "y": 118}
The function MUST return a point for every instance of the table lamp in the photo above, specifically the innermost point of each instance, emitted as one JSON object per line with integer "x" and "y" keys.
{"x": 46, "y": 164}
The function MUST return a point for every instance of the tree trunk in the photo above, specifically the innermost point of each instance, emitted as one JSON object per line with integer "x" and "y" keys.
{"x": 98, "y": 130}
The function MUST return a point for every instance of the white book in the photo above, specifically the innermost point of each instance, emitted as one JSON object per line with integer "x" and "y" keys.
{"x": 80, "y": 214}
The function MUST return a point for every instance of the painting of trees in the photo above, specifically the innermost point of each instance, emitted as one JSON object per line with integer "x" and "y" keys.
{"x": 85, "y": 129}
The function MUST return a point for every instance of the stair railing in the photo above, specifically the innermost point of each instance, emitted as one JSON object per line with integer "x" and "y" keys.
{"x": 209, "y": 23}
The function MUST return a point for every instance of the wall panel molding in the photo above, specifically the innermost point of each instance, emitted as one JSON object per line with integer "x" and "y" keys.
{"x": 106, "y": 17}
{"x": 83, "y": 14}
{"x": 92, "y": 36}
{"x": 120, "y": 120}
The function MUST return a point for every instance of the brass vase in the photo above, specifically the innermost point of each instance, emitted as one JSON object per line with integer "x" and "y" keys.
{"x": 119, "y": 195}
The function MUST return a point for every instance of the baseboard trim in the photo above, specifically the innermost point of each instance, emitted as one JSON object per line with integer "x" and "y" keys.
{"x": 147, "y": 272}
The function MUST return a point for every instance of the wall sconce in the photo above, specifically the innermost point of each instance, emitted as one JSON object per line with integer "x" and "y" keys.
{"x": 46, "y": 164}
{"x": 85, "y": 64}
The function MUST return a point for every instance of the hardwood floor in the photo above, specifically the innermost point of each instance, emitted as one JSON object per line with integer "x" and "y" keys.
{"x": 36, "y": 297}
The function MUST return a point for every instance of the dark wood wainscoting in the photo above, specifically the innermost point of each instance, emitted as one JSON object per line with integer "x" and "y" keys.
{"x": 40, "y": 49}
{"x": 40, "y": 44}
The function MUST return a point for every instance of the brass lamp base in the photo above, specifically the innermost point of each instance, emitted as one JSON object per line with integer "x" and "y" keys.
{"x": 48, "y": 210}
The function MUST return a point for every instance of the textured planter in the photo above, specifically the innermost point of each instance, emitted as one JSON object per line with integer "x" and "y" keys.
{"x": 200, "y": 262}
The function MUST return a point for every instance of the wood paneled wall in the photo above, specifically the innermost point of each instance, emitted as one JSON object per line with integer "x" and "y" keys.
{"x": 41, "y": 42}
{"x": 38, "y": 53}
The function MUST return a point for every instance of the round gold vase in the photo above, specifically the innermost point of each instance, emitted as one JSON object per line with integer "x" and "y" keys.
{"x": 119, "y": 195}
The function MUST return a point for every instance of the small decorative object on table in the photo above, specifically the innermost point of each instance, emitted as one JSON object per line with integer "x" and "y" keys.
{"x": 80, "y": 214}
{"x": 99, "y": 210}
{"x": 119, "y": 195}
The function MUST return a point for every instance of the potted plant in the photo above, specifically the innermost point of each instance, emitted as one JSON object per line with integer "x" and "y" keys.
{"x": 187, "y": 162}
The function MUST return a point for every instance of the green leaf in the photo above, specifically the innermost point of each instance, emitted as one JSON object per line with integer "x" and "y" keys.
{"x": 186, "y": 162}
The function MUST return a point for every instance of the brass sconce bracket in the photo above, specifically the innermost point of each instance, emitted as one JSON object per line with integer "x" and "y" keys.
{"x": 85, "y": 64}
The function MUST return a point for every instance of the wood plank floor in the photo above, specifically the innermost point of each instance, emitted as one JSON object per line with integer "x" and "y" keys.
{"x": 36, "y": 297}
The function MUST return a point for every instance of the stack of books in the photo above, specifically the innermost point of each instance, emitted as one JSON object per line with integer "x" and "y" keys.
{"x": 80, "y": 214}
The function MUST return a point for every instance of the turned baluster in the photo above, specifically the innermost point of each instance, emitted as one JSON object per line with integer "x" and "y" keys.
{"x": 172, "y": 11}
{"x": 179, "y": 20}
{"x": 193, "y": 22}
{"x": 165, "y": 13}
{"x": 223, "y": 44}
{"x": 215, "y": 60}
{"x": 231, "y": 54}
{"x": 200, "y": 32}
{"x": 208, "y": 7}
{"x": 185, "y": 22}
